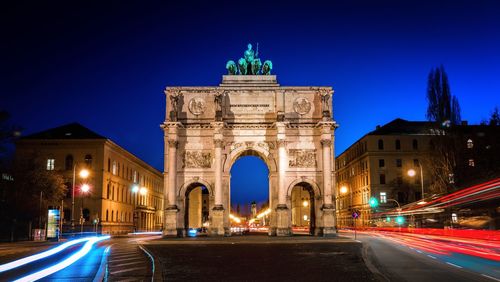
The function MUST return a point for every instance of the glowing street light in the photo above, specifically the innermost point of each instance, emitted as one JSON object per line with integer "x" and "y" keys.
{"x": 305, "y": 203}
{"x": 84, "y": 173}
{"x": 343, "y": 190}
{"x": 85, "y": 188}
{"x": 143, "y": 191}
{"x": 412, "y": 173}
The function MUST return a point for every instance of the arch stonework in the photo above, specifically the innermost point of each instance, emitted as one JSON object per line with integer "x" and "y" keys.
{"x": 208, "y": 128}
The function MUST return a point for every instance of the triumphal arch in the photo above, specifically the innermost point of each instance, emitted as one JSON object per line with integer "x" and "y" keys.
{"x": 208, "y": 128}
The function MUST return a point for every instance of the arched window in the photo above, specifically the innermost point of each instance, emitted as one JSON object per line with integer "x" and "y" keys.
{"x": 380, "y": 144}
{"x": 470, "y": 144}
{"x": 69, "y": 162}
{"x": 88, "y": 160}
{"x": 398, "y": 144}
{"x": 415, "y": 144}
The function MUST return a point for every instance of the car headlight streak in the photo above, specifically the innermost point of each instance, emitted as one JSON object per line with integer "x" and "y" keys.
{"x": 65, "y": 263}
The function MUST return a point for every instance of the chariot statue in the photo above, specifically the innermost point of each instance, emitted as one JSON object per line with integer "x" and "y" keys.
{"x": 250, "y": 64}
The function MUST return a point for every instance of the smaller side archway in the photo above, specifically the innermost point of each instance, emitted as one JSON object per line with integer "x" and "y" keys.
{"x": 304, "y": 197}
{"x": 196, "y": 197}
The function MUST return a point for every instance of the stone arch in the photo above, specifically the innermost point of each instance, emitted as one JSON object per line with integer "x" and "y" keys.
{"x": 257, "y": 151}
{"x": 183, "y": 189}
{"x": 314, "y": 185}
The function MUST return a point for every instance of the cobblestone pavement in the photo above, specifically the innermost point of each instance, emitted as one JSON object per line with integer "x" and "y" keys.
{"x": 128, "y": 262}
{"x": 252, "y": 258}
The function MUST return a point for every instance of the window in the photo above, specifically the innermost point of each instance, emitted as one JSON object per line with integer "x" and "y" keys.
{"x": 88, "y": 160}
{"x": 50, "y": 164}
{"x": 109, "y": 165}
{"x": 380, "y": 144}
{"x": 382, "y": 178}
{"x": 470, "y": 144}
{"x": 108, "y": 191}
{"x": 113, "y": 170}
{"x": 69, "y": 162}
{"x": 416, "y": 163}
{"x": 399, "y": 162}
{"x": 383, "y": 197}
{"x": 398, "y": 144}
{"x": 135, "y": 176}
{"x": 399, "y": 180}
{"x": 471, "y": 162}
{"x": 107, "y": 213}
{"x": 381, "y": 163}
{"x": 415, "y": 144}
{"x": 112, "y": 215}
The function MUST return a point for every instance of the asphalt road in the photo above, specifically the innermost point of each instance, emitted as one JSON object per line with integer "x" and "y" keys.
{"x": 253, "y": 258}
{"x": 399, "y": 262}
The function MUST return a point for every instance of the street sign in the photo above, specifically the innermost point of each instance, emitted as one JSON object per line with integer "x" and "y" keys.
{"x": 355, "y": 214}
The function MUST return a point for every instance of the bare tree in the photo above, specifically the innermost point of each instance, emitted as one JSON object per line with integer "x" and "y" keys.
{"x": 443, "y": 107}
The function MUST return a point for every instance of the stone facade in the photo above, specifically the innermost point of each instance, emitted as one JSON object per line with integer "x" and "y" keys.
{"x": 208, "y": 128}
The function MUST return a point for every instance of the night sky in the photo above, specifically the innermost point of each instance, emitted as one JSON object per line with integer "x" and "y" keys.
{"x": 105, "y": 65}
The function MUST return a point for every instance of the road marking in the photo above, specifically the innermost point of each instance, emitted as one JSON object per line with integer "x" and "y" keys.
{"x": 124, "y": 256}
{"x": 125, "y": 259}
{"x": 490, "y": 277}
{"x": 454, "y": 265}
{"x": 418, "y": 251}
{"x": 127, "y": 270}
{"x": 431, "y": 257}
{"x": 128, "y": 263}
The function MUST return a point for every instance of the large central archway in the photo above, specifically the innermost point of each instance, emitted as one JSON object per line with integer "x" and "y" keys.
{"x": 249, "y": 194}
{"x": 207, "y": 129}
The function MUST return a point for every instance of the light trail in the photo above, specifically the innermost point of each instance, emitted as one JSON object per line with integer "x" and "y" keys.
{"x": 26, "y": 260}
{"x": 65, "y": 263}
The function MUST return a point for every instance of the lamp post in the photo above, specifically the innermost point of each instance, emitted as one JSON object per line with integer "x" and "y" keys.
{"x": 135, "y": 189}
{"x": 84, "y": 173}
{"x": 412, "y": 173}
{"x": 344, "y": 190}
{"x": 84, "y": 190}
{"x": 144, "y": 191}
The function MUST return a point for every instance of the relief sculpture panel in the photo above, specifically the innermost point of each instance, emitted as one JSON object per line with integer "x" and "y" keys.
{"x": 302, "y": 158}
{"x": 197, "y": 159}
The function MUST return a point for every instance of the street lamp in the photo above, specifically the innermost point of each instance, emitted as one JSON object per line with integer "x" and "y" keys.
{"x": 412, "y": 173}
{"x": 85, "y": 188}
{"x": 84, "y": 173}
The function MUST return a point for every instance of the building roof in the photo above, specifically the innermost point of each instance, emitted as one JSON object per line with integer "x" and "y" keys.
{"x": 67, "y": 131}
{"x": 401, "y": 127}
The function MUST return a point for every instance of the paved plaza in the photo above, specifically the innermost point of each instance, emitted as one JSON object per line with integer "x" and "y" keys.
{"x": 252, "y": 258}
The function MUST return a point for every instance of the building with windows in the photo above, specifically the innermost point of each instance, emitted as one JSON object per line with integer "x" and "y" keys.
{"x": 113, "y": 191}
{"x": 377, "y": 166}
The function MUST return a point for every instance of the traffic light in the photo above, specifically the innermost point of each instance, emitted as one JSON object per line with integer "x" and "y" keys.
{"x": 400, "y": 219}
{"x": 373, "y": 202}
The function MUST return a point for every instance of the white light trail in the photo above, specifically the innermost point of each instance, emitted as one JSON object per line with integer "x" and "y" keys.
{"x": 65, "y": 263}
{"x": 26, "y": 260}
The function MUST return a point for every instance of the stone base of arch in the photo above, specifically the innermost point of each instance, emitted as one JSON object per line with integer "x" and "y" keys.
{"x": 283, "y": 223}
{"x": 217, "y": 223}
{"x": 329, "y": 229}
{"x": 170, "y": 228}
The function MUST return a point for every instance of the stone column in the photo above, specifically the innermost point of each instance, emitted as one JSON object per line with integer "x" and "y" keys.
{"x": 328, "y": 208}
{"x": 282, "y": 211}
{"x": 171, "y": 210}
{"x": 218, "y": 212}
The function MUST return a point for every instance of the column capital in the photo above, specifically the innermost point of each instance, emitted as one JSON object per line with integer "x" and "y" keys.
{"x": 218, "y": 143}
{"x": 173, "y": 143}
{"x": 280, "y": 142}
{"x": 326, "y": 142}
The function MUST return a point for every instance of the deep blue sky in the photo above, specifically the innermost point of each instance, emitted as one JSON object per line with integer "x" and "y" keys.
{"x": 106, "y": 64}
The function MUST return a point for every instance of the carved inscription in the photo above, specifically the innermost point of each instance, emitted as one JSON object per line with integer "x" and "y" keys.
{"x": 302, "y": 158}
{"x": 197, "y": 159}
